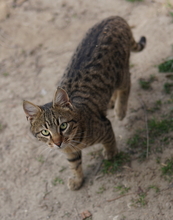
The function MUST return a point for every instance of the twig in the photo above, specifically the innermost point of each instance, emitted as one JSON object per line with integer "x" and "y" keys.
{"x": 46, "y": 191}
{"x": 165, "y": 189}
{"x": 98, "y": 177}
{"x": 146, "y": 123}
{"x": 110, "y": 200}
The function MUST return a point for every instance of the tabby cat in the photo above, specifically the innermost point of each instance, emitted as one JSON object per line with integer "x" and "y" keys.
{"x": 98, "y": 74}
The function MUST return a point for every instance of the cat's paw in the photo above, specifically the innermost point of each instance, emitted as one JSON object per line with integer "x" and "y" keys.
{"x": 111, "y": 104}
{"x": 120, "y": 114}
{"x": 75, "y": 183}
{"x": 109, "y": 155}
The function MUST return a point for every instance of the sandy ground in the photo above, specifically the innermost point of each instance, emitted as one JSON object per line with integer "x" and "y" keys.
{"x": 37, "y": 39}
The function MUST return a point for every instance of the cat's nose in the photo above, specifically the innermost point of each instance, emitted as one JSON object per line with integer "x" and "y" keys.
{"x": 58, "y": 143}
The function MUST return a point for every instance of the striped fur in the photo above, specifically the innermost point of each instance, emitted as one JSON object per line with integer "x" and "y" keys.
{"x": 97, "y": 74}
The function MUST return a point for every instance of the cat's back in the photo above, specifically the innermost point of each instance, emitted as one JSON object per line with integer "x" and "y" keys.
{"x": 99, "y": 42}
{"x": 101, "y": 55}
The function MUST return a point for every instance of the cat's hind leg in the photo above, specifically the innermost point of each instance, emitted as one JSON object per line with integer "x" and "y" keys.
{"x": 122, "y": 101}
{"x": 112, "y": 100}
{"x": 75, "y": 164}
{"x": 109, "y": 141}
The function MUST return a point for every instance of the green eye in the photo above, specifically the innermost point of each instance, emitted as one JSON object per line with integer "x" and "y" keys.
{"x": 45, "y": 132}
{"x": 63, "y": 126}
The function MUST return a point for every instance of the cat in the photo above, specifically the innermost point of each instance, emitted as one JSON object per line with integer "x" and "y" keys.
{"x": 97, "y": 75}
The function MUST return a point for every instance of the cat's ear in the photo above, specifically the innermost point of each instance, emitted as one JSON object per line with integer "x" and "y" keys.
{"x": 61, "y": 99}
{"x": 31, "y": 110}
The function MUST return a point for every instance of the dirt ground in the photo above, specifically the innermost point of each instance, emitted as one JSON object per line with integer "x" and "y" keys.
{"x": 37, "y": 39}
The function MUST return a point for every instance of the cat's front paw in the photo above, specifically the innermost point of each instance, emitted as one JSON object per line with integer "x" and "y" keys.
{"x": 120, "y": 114}
{"x": 111, "y": 104}
{"x": 109, "y": 155}
{"x": 75, "y": 183}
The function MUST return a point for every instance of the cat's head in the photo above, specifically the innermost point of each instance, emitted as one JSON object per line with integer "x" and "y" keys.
{"x": 55, "y": 123}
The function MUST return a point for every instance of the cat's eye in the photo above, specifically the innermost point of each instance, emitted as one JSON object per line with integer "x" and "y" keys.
{"x": 63, "y": 126}
{"x": 45, "y": 132}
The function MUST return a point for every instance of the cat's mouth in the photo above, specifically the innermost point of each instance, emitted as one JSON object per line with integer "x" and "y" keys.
{"x": 56, "y": 142}
{"x": 58, "y": 145}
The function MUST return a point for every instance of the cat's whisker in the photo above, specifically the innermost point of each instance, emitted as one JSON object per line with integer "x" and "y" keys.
{"x": 44, "y": 150}
{"x": 74, "y": 141}
{"x": 71, "y": 146}
{"x": 83, "y": 137}
{"x": 82, "y": 133}
{"x": 75, "y": 147}
{"x": 48, "y": 154}
{"x": 75, "y": 135}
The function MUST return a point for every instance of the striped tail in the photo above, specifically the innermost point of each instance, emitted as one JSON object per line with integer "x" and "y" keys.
{"x": 136, "y": 47}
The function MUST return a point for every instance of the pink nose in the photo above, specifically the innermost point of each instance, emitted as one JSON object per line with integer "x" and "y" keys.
{"x": 58, "y": 143}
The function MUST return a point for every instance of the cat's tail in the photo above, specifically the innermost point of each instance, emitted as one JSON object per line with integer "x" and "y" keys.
{"x": 136, "y": 47}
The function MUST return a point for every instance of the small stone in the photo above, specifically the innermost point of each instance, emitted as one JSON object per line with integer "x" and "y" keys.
{"x": 43, "y": 92}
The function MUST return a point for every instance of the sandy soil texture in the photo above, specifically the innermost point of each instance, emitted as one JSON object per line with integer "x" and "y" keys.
{"x": 37, "y": 39}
